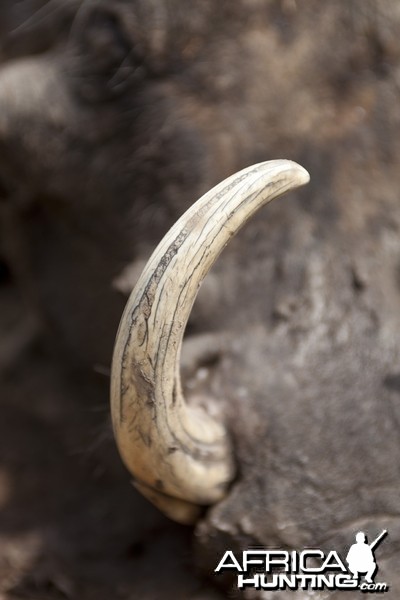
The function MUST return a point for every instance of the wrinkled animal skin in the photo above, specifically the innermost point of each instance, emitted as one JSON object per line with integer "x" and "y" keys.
{"x": 34, "y": 26}
{"x": 106, "y": 140}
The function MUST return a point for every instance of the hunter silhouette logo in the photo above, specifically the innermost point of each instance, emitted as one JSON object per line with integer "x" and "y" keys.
{"x": 360, "y": 557}
{"x": 310, "y": 569}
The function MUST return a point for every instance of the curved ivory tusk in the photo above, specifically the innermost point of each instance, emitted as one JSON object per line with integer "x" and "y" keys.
{"x": 171, "y": 447}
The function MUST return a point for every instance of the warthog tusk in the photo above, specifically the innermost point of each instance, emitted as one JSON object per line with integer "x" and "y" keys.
{"x": 180, "y": 456}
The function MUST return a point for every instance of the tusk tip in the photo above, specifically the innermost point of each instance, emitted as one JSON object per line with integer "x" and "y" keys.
{"x": 302, "y": 174}
{"x": 299, "y": 173}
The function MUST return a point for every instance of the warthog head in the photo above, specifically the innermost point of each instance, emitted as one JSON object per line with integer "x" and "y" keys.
{"x": 289, "y": 433}
{"x": 284, "y": 429}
